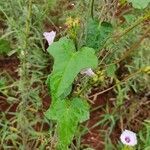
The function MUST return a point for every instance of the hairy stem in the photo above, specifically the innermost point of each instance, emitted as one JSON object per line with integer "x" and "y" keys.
{"x": 24, "y": 84}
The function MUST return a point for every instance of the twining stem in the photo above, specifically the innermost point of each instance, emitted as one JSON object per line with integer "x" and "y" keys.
{"x": 92, "y": 9}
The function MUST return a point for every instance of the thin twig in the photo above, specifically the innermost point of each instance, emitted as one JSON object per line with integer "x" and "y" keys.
{"x": 120, "y": 82}
{"x": 133, "y": 47}
{"x": 116, "y": 38}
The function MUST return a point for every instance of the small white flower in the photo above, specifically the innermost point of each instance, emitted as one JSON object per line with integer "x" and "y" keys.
{"x": 128, "y": 138}
{"x": 88, "y": 72}
{"x": 72, "y": 4}
{"x": 50, "y": 36}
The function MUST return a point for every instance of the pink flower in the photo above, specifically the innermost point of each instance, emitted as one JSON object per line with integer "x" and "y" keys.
{"x": 50, "y": 36}
{"x": 88, "y": 72}
{"x": 128, "y": 138}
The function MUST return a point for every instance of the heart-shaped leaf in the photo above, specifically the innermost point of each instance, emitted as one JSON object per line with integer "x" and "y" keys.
{"x": 67, "y": 64}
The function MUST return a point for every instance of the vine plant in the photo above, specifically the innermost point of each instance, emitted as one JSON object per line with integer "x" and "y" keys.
{"x": 67, "y": 110}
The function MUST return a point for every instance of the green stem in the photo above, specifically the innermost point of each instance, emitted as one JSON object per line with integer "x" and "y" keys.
{"x": 24, "y": 52}
{"x": 92, "y": 9}
{"x": 118, "y": 37}
{"x": 129, "y": 51}
{"x": 28, "y": 19}
{"x": 139, "y": 21}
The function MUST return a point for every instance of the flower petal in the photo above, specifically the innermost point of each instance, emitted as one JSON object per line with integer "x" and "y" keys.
{"x": 49, "y": 36}
{"x": 88, "y": 72}
{"x": 131, "y": 136}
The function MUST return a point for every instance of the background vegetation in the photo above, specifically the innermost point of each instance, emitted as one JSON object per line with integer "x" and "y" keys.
{"x": 118, "y": 31}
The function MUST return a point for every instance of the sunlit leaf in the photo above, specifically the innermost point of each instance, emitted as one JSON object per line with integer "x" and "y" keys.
{"x": 67, "y": 64}
{"x": 140, "y": 4}
{"x": 68, "y": 113}
{"x": 129, "y": 18}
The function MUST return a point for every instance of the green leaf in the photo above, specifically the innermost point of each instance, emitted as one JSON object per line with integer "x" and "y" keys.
{"x": 110, "y": 70}
{"x": 4, "y": 46}
{"x": 139, "y": 4}
{"x": 97, "y": 34}
{"x": 2, "y": 82}
{"x": 122, "y": 2}
{"x": 129, "y": 18}
{"x": 67, "y": 64}
{"x": 68, "y": 113}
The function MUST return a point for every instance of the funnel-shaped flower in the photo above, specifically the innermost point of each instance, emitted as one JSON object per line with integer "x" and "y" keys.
{"x": 49, "y": 36}
{"x": 128, "y": 138}
{"x": 88, "y": 72}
